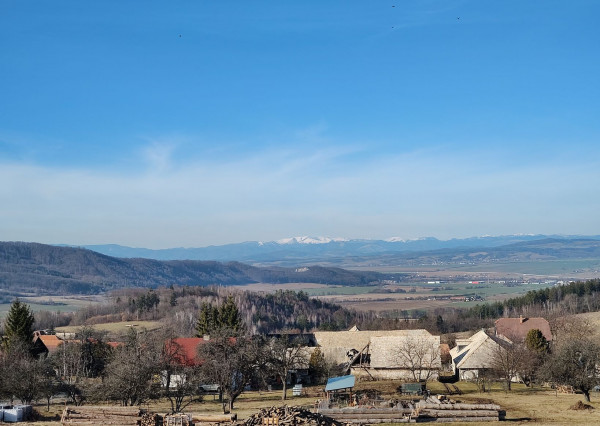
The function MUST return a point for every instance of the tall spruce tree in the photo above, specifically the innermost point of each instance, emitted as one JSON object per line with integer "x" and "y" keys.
{"x": 207, "y": 319}
{"x": 18, "y": 325}
{"x": 227, "y": 316}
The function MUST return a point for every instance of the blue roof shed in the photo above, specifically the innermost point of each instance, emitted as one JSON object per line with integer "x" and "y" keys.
{"x": 342, "y": 382}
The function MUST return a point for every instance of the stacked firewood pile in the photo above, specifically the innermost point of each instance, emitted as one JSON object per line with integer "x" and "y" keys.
{"x": 149, "y": 419}
{"x": 177, "y": 420}
{"x": 100, "y": 415}
{"x": 435, "y": 410}
{"x": 288, "y": 416}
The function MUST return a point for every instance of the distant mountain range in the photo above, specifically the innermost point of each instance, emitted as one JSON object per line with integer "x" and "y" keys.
{"x": 46, "y": 269}
{"x": 339, "y": 251}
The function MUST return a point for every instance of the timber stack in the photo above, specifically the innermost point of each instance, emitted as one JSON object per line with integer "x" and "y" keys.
{"x": 212, "y": 418}
{"x": 433, "y": 410}
{"x": 100, "y": 415}
{"x": 151, "y": 419}
{"x": 288, "y": 416}
{"x": 401, "y": 412}
{"x": 178, "y": 419}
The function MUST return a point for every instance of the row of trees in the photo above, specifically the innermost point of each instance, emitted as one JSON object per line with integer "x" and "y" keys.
{"x": 585, "y": 294}
{"x": 147, "y": 365}
{"x": 572, "y": 359}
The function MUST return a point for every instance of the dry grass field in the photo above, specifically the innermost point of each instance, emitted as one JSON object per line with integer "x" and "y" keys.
{"x": 270, "y": 288}
{"x": 115, "y": 327}
{"x": 56, "y": 303}
{"x": 523, "y": 406}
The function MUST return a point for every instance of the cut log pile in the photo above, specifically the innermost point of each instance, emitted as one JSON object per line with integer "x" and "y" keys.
{"x": 371, "y": 415}
{"x": 177, "y": 420}
{"x": 288, "y": 416}
{"x": 100, "y": 415}
{"x": 565, "y": 389}
{"x": 428, "y": 410}
{"x": 151, "y": 420}
{"x": 435, "y": 410}
{"x": 199, "y": 418}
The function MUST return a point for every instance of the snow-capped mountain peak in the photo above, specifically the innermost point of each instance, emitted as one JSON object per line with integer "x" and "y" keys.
{"x": 310, "y": 240}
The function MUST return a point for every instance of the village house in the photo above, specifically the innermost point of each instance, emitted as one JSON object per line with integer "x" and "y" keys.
{"x": 474, "y": 356}
{"x": 45, "y": 344}
{"x": 383, "y": 354}
{"x": 516, "y": 329}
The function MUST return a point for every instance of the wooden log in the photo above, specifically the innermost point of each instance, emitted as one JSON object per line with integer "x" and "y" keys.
{"x": 458, "y": 406}
{"x": 375, "y": 421}
{"x": 351, "y": 411}
{"x": 369, "y": 416}
{"x": 464, "y": 419}
{"x": 100, "y": 422}
{"x": 459, "y": 413}
{"x": 213, "y": 418}
{"x": 112, "y": 408}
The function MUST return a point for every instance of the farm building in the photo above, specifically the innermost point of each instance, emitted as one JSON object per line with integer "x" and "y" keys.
{"x": 184, "y": 350}
{"x": 516, "y": 329}
{"x": 385, "y": 354}
{"x": 46, "y": 344}
{"x": 470, "y": 357}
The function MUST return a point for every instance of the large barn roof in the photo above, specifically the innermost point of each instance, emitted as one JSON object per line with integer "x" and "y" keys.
{"x": 335, "y": 344}
{"x": 392, "y": 351}
{"x": 517, "y": 328}
{"x": 477, "y": 354}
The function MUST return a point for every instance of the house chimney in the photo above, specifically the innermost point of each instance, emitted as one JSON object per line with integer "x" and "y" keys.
{"x": 206, "y": 337}
{"x": 521, "y": 319}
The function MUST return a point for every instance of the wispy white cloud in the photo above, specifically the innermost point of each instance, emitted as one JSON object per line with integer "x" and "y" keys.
{"x": 280, "y": 193}
{"x": 158, "y": 155}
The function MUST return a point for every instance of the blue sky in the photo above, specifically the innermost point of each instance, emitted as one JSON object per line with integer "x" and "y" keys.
{"x": 190, "y": 123}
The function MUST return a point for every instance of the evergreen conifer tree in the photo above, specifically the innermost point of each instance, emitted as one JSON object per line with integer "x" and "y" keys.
{"x": 18, "y": 324}
{"x": 536, "y": 341}
{"x": 229, "y": 315}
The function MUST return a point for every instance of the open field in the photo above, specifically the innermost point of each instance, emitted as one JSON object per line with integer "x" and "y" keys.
{"x": 421, "y": 296}
{"x": 570, "y": 269}
{"x": 405, "y": 296}
{"x": 115, "y": 327}
{"x": 55, "y": 303}
{"x": 523, "y": 405}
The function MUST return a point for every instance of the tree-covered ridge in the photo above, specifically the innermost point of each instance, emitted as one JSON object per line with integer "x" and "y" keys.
{"x": 575, "y": 297}
{"x": 195, "y": 310}
{"x": 65, "y": 270}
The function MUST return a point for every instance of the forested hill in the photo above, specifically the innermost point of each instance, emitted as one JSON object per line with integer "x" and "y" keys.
{"x": 25, "y": 267}
{"x": 573, "y": 298}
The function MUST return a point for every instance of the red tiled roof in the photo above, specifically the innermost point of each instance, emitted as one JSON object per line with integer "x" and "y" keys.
{"x": 51, "y": 342}
{"x": 185, "y": 350}
{"x": 517, "y": 328}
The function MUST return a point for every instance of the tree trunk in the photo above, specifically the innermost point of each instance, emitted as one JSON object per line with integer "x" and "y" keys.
{"x": 586, "y": 393}
{"x": 284, "y": 395}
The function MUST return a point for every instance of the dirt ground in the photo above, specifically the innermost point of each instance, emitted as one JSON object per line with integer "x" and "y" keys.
{"x": 523, "y": 405}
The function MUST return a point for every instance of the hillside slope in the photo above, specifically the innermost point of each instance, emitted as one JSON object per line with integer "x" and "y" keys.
{"x": 28, "y": 267}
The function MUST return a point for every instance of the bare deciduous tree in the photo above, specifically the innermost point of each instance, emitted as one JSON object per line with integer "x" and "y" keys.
{"x": 128, "y": 376}
{"x": 24, "y": 377}
{"x": 180, "y": 376}
{"x": 574, "y": 363}
{"x": 510, "y": 361}
{"x": 230, "y": 360}
{"x": 420, "y": 355}
{"x": 284, "y": 356}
